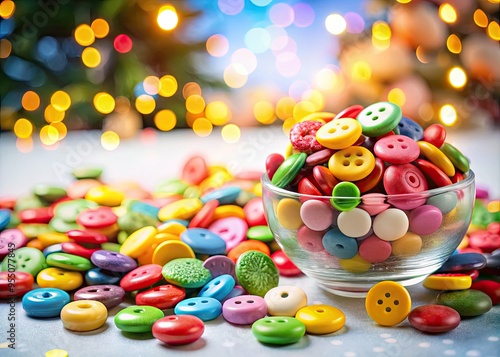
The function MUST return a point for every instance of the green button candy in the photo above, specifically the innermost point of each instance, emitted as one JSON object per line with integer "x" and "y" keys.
{"x": 60, "y": 225}
{"x": 137, "y": 319}
{"x": 26, "y": 259}
{"x": 346, "y": 196}
{"x": 82, "y": 173}
{"x": 27, "y": 202}
{"x": 186, "y": 273}
{"x": 172, "y": 186}
{"x": 112, "y": 247}
{"x": 256, "y": 272}
{"x": 466, "y": 302}
{"x": 289, "y": 169}
{"x": 262, "y": 233}
{"x": 49, "y": 193}
{"x": 133, "y": 221}
{"x": 278, "y": 330}
{"x": 379, "y": 118}
{"x": 68, "y": 261}
{"x": 456, "y": 157}
{"x": 69, "y": 210}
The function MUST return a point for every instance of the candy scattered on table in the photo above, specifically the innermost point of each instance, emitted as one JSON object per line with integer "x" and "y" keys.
{"x": 201, "y": 244}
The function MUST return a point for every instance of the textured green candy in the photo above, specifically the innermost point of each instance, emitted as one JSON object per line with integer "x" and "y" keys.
{"x": 133, "y": 221}
{"x": 256, "y": 273}
{"x": 186, "y": 273}
{"x": 466, "y": 302}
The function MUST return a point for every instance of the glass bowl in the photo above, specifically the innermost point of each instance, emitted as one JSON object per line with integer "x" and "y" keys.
{"x": 441, "y": 216}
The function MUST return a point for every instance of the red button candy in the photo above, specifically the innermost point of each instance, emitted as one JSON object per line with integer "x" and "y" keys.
{"x": 178, "y": 329}
{"x": 141, "y": 277}
{"x": 254, "y": 212}
{"x": 284, "y": 264}
{"x": 15, "y": 284}
{"x": 97, "y": 218}
{"x": 163, "y": 296}
{"x": 490, "y": 288}
{"x": 273, "y": 161}
{"x": 434, "y": 318}
{"x": 435, "y": 134}
{"x": 195, "y": 170}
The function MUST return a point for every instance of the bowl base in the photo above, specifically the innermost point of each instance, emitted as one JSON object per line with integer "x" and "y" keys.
{"x": 359, "y": 290}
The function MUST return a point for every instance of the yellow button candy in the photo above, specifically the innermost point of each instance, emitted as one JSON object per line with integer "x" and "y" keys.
{"x": 355, "y": 264}
{"x": 321, "y": 319}
{"x": 170, "y": 250}
{"x": 288, "y": 213}
{"x": 138, "y": 242}
{"x": 388, "y": 303}
{"x": 448, "y": 282}
{"x": 437, "y": 157}
{"x": 352, "y": 164}
{"x": 339, "y": 134}
{"x": 105, "y": 196}
{"x": 84, "y": 315}
{"x": 184, "y": 208}
{"x": 225, "y": 211}
{"x": 59, "y": 278}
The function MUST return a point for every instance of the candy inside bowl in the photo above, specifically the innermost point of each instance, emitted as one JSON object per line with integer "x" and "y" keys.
{"x": 401, "y": 237}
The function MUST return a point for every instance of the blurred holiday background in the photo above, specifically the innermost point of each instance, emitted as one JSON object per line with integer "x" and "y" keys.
{"x": 129, "y": 67}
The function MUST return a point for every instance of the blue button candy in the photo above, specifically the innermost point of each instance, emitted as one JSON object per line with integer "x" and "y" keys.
{"x": 203, "y": 241}
{"x": 54, "y": 248}
{"x": 218, "y": 288}
{"x": 4, "y": 218}
{"x": 45, "y": 302}
{"x": 98, "y": 276}
{"x": 145, "y": 208}
{"x": 205, "y": 308}
{"x": 340, "y": 245}
{"x": 225, "y": 195}
{"x": 463, "y": 261}
{"x": 411, "y": 129}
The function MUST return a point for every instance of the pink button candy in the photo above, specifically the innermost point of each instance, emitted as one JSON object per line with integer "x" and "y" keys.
{"x": 425, "y": 220}
{"x": 397, "y": 149}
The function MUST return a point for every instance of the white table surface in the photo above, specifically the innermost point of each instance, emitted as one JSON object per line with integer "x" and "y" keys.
{"x": 151, "y": 162}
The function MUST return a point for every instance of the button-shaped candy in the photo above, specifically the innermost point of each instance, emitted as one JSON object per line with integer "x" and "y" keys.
{"x": 45, "y": 302}
{"x": 25, "y": 259}
{"x": 98, "y": 276}
{"x": 195, "y": 170}
{"x": 219, "y": 265}
{"x": 205, "y": 308}
{"x": 434, "y": 318}
{"x": 339, "y": 134}
{"x": 425, "y": 220}
{"x": 406, "y": 178}
{"x": 379, "y": 118}
{"x": 352, "y": 164}
{"x": 388, "y": 303}
{"x": 138, "y": 242}
{"x": 435, "y": 134}
{"x": 285, "y": 266}
{"x": 273, "y": 161}
{"x": 218, "y": 288}
{"x": 278, "y": 330}
{"x": 288, "y": 213}
{"x": 463, "y": 261}
{"x": 178, "y": 329}
{"x": 68, "y": 261}
{"x": 288, "y": 170}
{"x": 169, "y": 250}
{"x": 11, "y": 239}
{"x": 84, "y": 315}
{"x": 59, "y": 278}
{"x": 466, "y": 302}
{"x": 339, "y": 245}
{"x": 396, "y": 149}
{"x": 231, "y": 229}
{"x": 321, "y": 319}
{"x": 163, "y": 296}
{"x": 285, "y": 300}
{"x": 437, "y": 157}
{"x": 97, "y": 218}
{"x": 225, "y": 195}
{"x": 316, "y": 215}
{"x": 137, "y": 319}
{"x": 23, "y": 284}
{"x": 354, "y": 223}
{"x": 391, "y": 224}
{"x": 447, "y": 282}
{"x": 410, "y": 129}
{"x": 244, "y": 310}
{"x": 105, "y": 196}
{"x": 141, "y": 277}
{"x": 256, "y": 272}
{"x": 186, "y": 272}
{"x": 113, "y": 261}
{"x": 203, "y": 241}
{"x": 110, "y": 295}
{"x": 374, "y": 249}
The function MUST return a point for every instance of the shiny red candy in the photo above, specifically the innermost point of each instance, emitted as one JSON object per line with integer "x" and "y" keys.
{"x": 178, "y": 329}
{"x": 485, "y": 241}
{"x": 284, "y": 264}
{"x": 434, "y": 318}
{"x": 373, "y": 179}
{"x": 404, "y": 178}
{"x": 141, "y": 277}
{"x": 163, "y": 296}
{"x": 434, "y": 173}
{"x": 273, "y": 161}
{"x": 254, "y": 212}
{"x": 435, "y": 134}
{"x": 303, "y": 136}
{"x": 204, "y": 217}
{"x": 86, "y": 236}
{"x": 325, "y": 180}
{"x": 396, "y": 149}
{"x": 350, "y": 112}
{"x": 195, "y": 170}
{"x": 15, "y": 284}
{"x": 36, "y": 215}
{"x": 97, "y": 218}
{"x": 490, "y": 288}
{"x": 306, "y": 187}
{"x": 77, "y": 249}
{"x": 319, "y": 157}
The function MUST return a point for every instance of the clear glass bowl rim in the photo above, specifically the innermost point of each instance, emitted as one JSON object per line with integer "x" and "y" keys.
{"x": 466, "y": 182}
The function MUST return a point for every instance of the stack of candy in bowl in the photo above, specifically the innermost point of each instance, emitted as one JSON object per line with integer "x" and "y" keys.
{"x": 199, "y": 247}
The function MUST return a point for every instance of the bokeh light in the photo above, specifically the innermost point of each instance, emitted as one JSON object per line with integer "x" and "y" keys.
{"x": 303, "y": 109}
{"x": 457, "y": 77}
{"x": 24, "y": 145}
{"x": 122, "y": 43}
{"x": 454, "y": 44}
{"x": 167, "y": 17}
{"x": 284, "y": 107}
{"x": 202, "y": 127}
{"x": 361, "y": 71}
{"x": 110, "y": 140}
{"x": 5, "y": 48}
{"x": 381, "y": 35}
{"x": 53, "y": 115}
{"x": 7, "y": 9}
{"x": 263, "y": 111}
{"x": 231, "y": 133}
{"x": 258, "y": 40}
{"x": 448, "y": 115}
{"x": 61, "y": 128}
{"x": 246, "y": 58}
{"x": 145, "y": 104}
{"x": 281, "y": 14}
{"x": 191, "y": 88}
{"x": 30, "y": 101}
{"x": 165, "y": 120}
{"x": 217, "y": 113}
{"x": 217, "y": 45}
{"x": 261, "y": 2}
{"x": 303, "y": 15}
{"x": 397, "y": 96}
{"x": 480, "y": 18}
{"x": 195, "y": 104}
{"x": 168, "y": 86}
{"x": 354, "y": 22}
{"x": 335, "y": 24}
{"x": 122, "y": 104}
{"x": 231, "y": 7}
{"x": 235, "y": 75}
{"x": 100, "y": 28}
{"x": 49, "y": 135}
{"x": 104, "y": 102}
{"x": 314, "y": 97}
{"x": 494, "y": 30}
{"x": 288, "y": 64}
{"x": 23, "y": 128}
{"x": 91, "y": 57}
{"x": 60, "y": 100}
{"x": 447, "y": 13}
{"x": 151, "y": 85}
{"x": 84, "y": 35}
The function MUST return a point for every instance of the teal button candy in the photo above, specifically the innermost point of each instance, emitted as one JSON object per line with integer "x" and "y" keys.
{"x": 379, "y": 118}
{"x": 289, "y": 169}
{"x": 68, "y": 261}
{"x": 256, "y": 273}
{"x": 466, "y": 302}
{"x": 278, "y": 330}
{"x": 186, "y": 273}
{"x": 137, "y": 319}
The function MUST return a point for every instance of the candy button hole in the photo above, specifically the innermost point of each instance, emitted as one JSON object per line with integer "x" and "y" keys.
{"x": 172, "y": 318}
{"x": 345, "y": 127}
{"x": 346, "y": 163}
{"x": 284, "y": 295}
{"x": 269, "y": 321}
{"x": 191, "y": 303}
{"x": 84, "y": 306}
{"x": 388, "y": 309}
{"x": 387, "y": 295}
{"x": 359, "y": 162}
{"x": 396, "y": 302}
{"x": 250, "y": 301}
{"x": 23, "y": 266}
{"x": 217, "y": 282}
{"x": 390, "y": 146}
{"x": 237, "y": 302}
{"x": 46, "y": 295}
{"x": 380, "y": 302}
{"x": 381, "y": 109}
{"x": 139, "y": 311}
{"x": 332, "y": 130}
{"x": 204, "y": 301}
{"x": 60, "y": 274}
{"x": 27, "y": 259}
{"x": 281, "y": 321}
{"x": 92, "y": 291}
{"x": 375, "y": 117}
{"x": 339, "y": 246}
{"x": 320, "y": 310}
{"x": 369, "y": 113}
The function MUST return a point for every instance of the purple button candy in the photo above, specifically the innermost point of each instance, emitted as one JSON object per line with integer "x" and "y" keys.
{"x": 113, "y": 261}
{"x": 220, "y": 265}
{"x": 109, "y": 295}
{"x": 244, "y": 310}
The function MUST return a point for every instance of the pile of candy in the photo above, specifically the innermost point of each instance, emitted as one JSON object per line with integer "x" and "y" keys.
{"x": 376, "y": 164}
{"x": 199, "y": 245}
